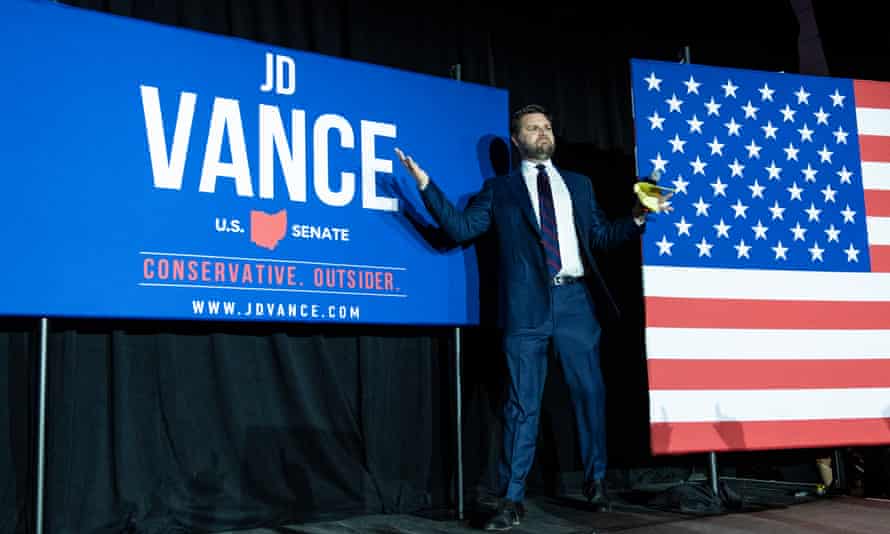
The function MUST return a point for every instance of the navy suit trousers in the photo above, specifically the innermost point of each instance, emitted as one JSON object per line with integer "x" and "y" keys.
{"x": 575, "y": 333}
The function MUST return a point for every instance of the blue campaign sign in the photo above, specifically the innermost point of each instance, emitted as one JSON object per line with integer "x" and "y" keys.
{"x": 155, "y": 172}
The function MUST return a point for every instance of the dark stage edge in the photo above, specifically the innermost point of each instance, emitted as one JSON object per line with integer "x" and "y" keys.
{"x": 570, "y": 516}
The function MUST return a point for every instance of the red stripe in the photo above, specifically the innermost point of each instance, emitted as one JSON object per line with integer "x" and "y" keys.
{"x": 880, "y": 258}
{"x": 768, "y": 374}
{"x": 681, "y": 438}
{"x": 877, "y": 203}
{"x": 870, "y": 94}
{"x": 550, "y": 246}
{"x": 786, "y": 314}
{"x": 549, "y": 231}
{"x": 874, "y": 148}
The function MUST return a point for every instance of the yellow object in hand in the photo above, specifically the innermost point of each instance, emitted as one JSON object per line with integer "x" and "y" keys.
{"x": 653, "y": 196}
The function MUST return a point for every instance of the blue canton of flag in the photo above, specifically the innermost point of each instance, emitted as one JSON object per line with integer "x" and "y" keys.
{"x": 765, "y": 167}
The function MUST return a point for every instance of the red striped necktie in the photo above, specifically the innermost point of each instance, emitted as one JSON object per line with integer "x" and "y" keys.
{"x": 549, "y": 232}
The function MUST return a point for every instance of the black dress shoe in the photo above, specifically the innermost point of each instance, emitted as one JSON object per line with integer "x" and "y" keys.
{"x": 520, "y": 511}
{"x": 507, "y": 516}
{"x": 595, "y": 491}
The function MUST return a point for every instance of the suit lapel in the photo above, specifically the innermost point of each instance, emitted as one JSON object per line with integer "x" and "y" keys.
{"x": 576, "y": 196}
{"x": 572, "y": 186}
{"x": 517, "y": 187}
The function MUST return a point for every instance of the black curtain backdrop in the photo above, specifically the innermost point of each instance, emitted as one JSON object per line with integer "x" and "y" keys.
{"x": 190, "y": 427}
{"x": 855, "y": 39}
{"x": 187, "y": 426}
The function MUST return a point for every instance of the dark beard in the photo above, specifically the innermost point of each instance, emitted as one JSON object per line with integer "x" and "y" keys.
{"x": 540, "y": 152}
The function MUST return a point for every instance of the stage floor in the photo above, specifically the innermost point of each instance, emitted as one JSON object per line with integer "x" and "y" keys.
{"x": 567, "y": 515}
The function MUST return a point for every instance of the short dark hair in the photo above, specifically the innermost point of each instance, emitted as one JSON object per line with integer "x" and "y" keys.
{"x": 526, "y": 110}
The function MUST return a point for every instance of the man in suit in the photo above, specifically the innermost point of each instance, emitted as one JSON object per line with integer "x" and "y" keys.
{"x": 547, "y": 224}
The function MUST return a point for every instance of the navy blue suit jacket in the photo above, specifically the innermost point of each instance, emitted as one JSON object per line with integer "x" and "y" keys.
{"x": 504, "y": 206}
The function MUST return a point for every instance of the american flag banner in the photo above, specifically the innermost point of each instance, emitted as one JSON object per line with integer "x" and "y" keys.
{"x": 767, "y": 288}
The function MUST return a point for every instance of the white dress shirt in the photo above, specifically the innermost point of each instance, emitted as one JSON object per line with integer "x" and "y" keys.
{"x": 570, "y": 253}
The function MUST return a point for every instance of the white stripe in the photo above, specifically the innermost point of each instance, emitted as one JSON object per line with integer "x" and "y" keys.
{"x": 878, "y": 230}
{"x": 661, "y": 281}
{"x": 768, "y": 405}
{"x": 876, "y": 175}
{"x": 873, "y": 121}
{"x": 749, "y": 344}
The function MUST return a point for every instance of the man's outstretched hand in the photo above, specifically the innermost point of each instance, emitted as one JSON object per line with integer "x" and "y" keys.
{"x": 420, "y": 176}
